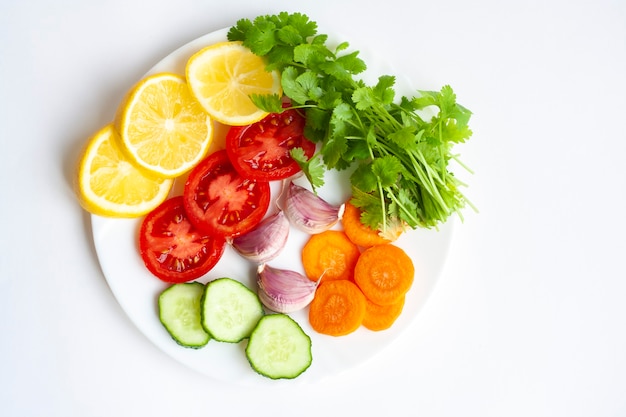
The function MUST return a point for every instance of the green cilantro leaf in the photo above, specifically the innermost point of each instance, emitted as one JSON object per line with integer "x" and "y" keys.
{"x": 271, "y": 103}
{"x": 313, "y": 168}
{"x": 317, "y": 118}
{"x": 364, "y": 178}
{"x": 334, "y": 146}
{"x": 363, "y": 98}
{"x": 406, "y": 208}
{"x": 373, "y": 213}
{"x": 343, "y": 112}
{"x": 351, "y": 63}
{"x": 292, "y": 87}
{"x": 357, "y": 150}
{"x": 279, "y": 57}
{"x": 383, "y": 90}
{"x": 240, "y": 30}
{"x": 300, "y": 22}
{"x": 387, "y": 169}
{"x": 404, "y": 137}
{"x": 261, "y": 37}
{"x": 289, "y": 35}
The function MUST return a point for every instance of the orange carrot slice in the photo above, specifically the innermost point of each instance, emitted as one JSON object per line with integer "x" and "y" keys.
{"x": 384, "y": 273}
{"x": 338, "y": 308}
{"x": 359, "y": 233}
{"x": 379, "y": 317}
{"x": 330, "y": 254}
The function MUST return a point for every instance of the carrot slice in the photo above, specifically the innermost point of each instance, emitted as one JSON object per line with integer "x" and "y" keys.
{"x": 379, "y": 317}
{"x": 338, "y": 308}
{"x": 384, "y": 273}
{"x": 330, "y": 254}
{"x": 359, "y": 233}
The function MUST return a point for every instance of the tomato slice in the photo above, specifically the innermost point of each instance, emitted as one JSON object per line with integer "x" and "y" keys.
{"x": 260, "y": 151}
{"x": 221, "y": 202}
{"x": 172, "y": 248}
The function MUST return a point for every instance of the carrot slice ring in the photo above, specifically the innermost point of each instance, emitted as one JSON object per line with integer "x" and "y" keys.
{"x": 329, "y": 254}
{"x": 338, "y": 308}
{"x": 379, "y": 317}
{"x": 356, "y": 231}
{"x": 384, "y": 273}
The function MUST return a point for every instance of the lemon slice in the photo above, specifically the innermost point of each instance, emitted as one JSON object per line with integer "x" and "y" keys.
{"x": 162, "y": 126}
{"x": 223, "y": 76}
{"x": 109, "y": 184}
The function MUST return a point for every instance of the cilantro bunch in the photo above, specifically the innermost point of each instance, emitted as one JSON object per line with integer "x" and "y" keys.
{"x": 399, "y": 156}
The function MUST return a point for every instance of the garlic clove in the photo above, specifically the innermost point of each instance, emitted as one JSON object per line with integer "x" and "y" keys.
{"x": 283, "y": 290}
{"x": 308, "y": 211}
{"x": 265, "y": 241}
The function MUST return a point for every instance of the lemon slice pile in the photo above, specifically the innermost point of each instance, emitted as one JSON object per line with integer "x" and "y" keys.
{"x": 165, "y": 127}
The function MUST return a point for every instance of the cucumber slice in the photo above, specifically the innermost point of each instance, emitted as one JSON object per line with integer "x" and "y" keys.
{"x": 278, "y": 348}
{"x": 179, "y": 312}
{"x": 230, "y": 310}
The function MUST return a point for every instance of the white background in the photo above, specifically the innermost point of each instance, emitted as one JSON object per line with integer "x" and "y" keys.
{"x": 528, "y": 317}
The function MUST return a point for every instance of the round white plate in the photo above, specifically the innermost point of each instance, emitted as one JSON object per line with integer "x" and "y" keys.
{"x": 136, "y": 289}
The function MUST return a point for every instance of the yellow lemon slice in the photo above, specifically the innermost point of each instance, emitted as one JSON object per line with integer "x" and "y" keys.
{"x": 163, "y": 128}
{"x": 223, "y": 76}
{"x": 109, "y": 184}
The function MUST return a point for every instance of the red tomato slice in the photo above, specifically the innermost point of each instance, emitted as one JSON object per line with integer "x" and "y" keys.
{"x": 221, "y": 202}
{"x": 260, "y": 151}
{"x": 172, "y": 248}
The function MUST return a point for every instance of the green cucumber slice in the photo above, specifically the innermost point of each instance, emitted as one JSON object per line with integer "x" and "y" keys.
{"x": 278, "y": 348}
{"x": 179, "y": 312}
{"x": 230, "y": 310}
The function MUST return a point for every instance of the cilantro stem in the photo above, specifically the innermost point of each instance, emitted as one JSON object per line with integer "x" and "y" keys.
{"x": 381, "y": 194}
{"x": 442, "y": 161}
{"x": 458, "y": 161}
{"x": 382, "y": 204}
{"x": 433, "y": 190}
{"x": 409, "y": 214}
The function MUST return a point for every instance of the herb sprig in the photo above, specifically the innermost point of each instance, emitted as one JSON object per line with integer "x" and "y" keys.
{"x": 400, "y": 156}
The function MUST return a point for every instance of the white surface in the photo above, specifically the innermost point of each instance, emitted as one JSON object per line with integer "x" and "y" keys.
{"x": 528, "y": 317}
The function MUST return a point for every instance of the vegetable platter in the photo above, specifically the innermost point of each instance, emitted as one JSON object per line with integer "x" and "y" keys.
{"x": 424, "y": 239}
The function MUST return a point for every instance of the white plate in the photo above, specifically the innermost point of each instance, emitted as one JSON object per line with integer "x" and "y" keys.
{"x": 137, "y": 290}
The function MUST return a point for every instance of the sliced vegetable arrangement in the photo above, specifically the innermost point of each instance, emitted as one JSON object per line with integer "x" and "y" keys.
{"x": 227, "y": 311}
{"x": 291, "y": 107}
